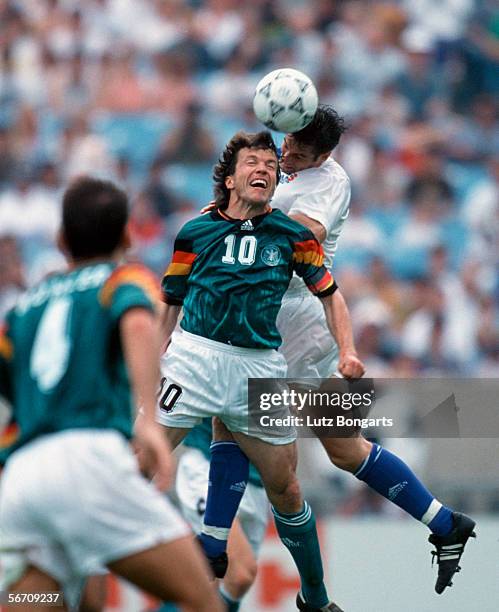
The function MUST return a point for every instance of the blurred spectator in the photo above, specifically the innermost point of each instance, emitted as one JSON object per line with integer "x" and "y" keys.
{"x": 422, "y": 332}
{"x": 479, "y": 56}
{"x": 162, "y": 199}
{"x": 8, "y": 160}
{"x": 306, "y": 41}
{"x": 66, "y": 35}
{"x": 123, "y": 174}
{"x": 460, "y": 310}
{"x": 171, "y": 89}
{"x": 418, "y": 83}
{"x": 220, "y": 26}
{"x": 366, "y": 57}
{"x": 25, "y": 134}
{"x": 24, "y": 214}
{"x": 228, "y": 90}
{"x": 147, "y": 231}
{"x": 480, "y": 213}
{"x": 477, "y": 136}
{"x": 84, "y": 152}
{"x": 121, "y": 89}
{"x": 190, "y": 142}
{"x": 12, "y": 282}
{"x": 9, "y": 91}
{"x": 79, "y": 93}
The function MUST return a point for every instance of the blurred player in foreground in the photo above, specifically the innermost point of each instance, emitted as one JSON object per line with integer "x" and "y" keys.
{"x": 315, "y": 191}
{"x": 72, "y": 499}
{"x": 229, "y": 270}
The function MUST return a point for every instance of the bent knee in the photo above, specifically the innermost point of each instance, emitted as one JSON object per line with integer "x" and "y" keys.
{"x": 240, "y": 578}
{"x": 347, "y": 453}
{"x": 286, "y": 496}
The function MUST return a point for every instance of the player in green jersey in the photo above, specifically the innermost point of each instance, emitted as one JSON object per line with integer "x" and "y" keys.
{"x": 229, "y": 270}
{"x": 77, "y": 352}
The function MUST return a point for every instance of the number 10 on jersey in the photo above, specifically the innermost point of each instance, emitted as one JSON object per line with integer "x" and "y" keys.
{"x": 247, "y": 250}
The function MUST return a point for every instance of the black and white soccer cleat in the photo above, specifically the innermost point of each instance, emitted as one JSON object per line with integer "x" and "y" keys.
{"x": 449, "y": 549}
{"x": 302, "y": 605}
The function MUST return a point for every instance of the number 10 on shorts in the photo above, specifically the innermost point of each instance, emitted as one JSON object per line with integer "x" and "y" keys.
{"x": 169, "y": 394}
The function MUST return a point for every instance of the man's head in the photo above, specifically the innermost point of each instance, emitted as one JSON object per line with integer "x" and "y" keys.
{"x": 312, "y": 145}
{"x": 94, "y": 218}
{"x": 248, "y": 170}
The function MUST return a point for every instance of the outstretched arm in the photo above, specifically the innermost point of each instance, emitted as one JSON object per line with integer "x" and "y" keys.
{"x": 340, "y": 326}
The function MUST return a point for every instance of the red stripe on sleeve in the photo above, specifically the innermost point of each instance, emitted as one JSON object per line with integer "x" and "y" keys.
{"x": 183, "y": 257}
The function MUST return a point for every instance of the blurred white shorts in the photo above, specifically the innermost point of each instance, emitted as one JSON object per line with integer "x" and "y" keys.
{"x": 307, "y": 344}
{"x": 74, "y": 501}
{"x": 192, "y": 489}
{"x": 205, "y": 378}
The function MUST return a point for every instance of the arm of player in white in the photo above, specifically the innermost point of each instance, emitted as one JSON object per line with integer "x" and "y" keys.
{"x": 317, "y": 229}
{"x": 324, "y": 206}
{"x": 140, "y": 339}
{"x": 340, "y": 326}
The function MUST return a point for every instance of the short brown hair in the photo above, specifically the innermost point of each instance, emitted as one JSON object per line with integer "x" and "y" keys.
{"x": 228, "y": 160}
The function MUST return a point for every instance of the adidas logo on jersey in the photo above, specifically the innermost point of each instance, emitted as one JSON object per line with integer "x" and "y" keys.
{"x": 247, "y": 225}
{"x": 239, "y": 487}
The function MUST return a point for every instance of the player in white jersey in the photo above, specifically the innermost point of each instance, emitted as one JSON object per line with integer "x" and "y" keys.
{"x": 315, "y": 191}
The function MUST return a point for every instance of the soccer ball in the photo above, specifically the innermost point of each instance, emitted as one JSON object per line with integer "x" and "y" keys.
{"x": 285, "y": 100}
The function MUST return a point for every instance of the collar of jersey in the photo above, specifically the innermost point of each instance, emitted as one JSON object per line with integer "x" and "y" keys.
{"x": 219, "y": 214}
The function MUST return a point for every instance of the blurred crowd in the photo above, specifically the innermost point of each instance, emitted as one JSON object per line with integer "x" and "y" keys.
{"x": 148, "y": 92}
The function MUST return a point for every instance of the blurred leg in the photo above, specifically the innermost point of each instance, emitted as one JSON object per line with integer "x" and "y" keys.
{"x": 173, "y": 571}
{"x": 94, "y": 594}
{"x": 36, "y": 581}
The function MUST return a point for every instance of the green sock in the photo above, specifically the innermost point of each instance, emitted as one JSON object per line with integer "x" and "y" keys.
{"x": 299, "y": 535}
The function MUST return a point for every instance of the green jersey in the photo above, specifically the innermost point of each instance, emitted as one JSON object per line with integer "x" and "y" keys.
{"x": 61, "y": 361}
{"x": 200, "y": 437}
{"x": 231, "y": 274}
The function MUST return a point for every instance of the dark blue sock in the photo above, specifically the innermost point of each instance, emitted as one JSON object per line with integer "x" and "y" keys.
{"x": 392, "y": 478}
{"x": 228, "y": 477}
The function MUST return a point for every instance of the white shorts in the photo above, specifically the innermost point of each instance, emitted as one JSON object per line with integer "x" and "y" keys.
{"x": 205, "y": 378}
{"x": 192, "y": 488}
{"x": 74, "y": 501}
{"x": 307, "y": 344}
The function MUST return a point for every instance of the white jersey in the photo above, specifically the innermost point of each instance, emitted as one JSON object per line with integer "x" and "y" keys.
{"x": 323, "y": 194}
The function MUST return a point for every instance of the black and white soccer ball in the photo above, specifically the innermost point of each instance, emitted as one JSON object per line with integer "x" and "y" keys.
{"x": 285, "y": 100}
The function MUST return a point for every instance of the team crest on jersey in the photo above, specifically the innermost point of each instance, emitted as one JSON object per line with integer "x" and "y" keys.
{"x": 271, "y": 255}
{"x": 288, "y": 178}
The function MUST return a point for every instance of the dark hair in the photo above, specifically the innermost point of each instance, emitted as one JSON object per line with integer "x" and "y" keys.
{"x": 228, "y": 160}
{"x": 323, "y": 132}
{"x": 94, "y": 216}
